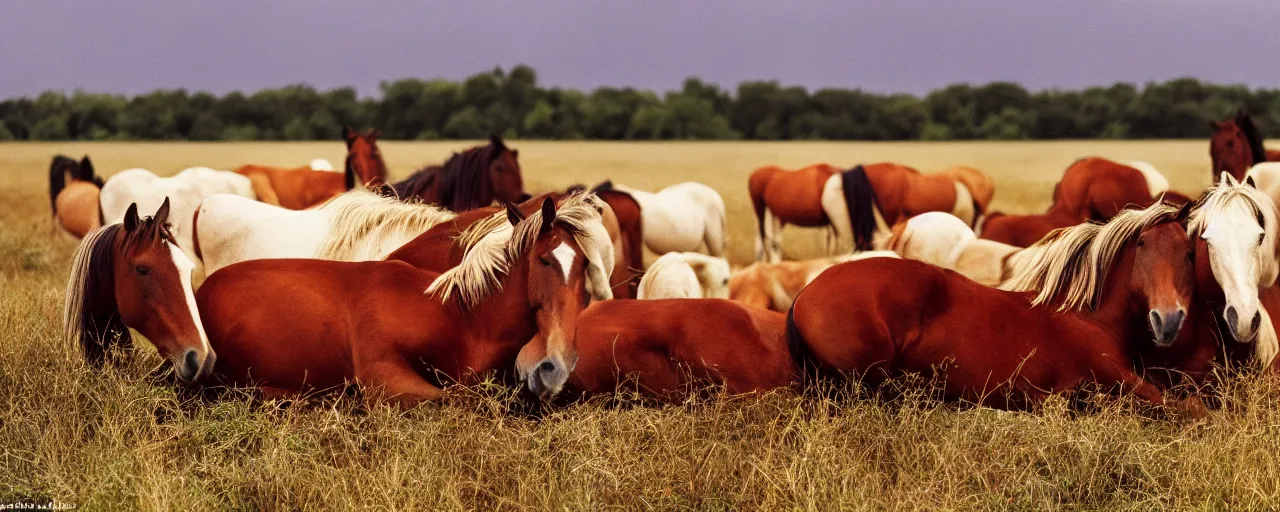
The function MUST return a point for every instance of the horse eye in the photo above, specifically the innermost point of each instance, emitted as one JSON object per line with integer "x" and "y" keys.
{"x": 1141, "y": 242}
{"x": 546, "y": 262}
{"x": 142, "y": 270}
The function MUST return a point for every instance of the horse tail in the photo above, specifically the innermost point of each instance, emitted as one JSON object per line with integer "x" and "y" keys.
{"x": 860, "y": 198}
{"x": 805, "y": 365}
{"x": 58, "y": 179}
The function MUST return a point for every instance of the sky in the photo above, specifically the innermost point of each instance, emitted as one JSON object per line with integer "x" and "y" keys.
{"x": 134, "y": 46}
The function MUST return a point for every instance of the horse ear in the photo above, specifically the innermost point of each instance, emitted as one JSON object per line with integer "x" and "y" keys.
{"x": 1184, "y": 211}
{"x": 496, "y": 142}
{"x": 515, "y": 153}
{"x": 131, "y": 219}
{"x": 548, "y": 215}
{"x": 374, "y": 134}
{"x": 1248, "y": 180}
{"x": 514, "y": 215}
{"x": 1228, "y": 179}
{"x": 86, "y": 167}
{"x": 348, "y": 134}
{"x": 162, "y": 214}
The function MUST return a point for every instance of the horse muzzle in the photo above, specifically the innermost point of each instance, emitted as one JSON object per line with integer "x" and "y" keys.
{"x": 547, "y": 378}
{"x": 1242, "y": 333}
{"x": 192, "y": 366}
{"x": 1165, "y": 324}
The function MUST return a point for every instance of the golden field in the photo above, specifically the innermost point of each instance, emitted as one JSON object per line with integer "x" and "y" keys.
{"x": 119, "y": 439}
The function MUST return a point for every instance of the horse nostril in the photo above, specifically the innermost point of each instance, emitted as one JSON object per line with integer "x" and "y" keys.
{"x": 1231, "y": 317}
{"x": 191, "y": 360}
{"x": 1257, "y": 321}
{"x": 547, "y": 367}
{"x": 1155, "y": 320}
{"x": 1176, "y": 319}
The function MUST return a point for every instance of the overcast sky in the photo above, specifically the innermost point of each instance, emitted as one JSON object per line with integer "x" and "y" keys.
{"x": 131, "y": 46}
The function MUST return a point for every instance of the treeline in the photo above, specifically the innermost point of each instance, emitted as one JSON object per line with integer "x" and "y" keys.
{"x": 511, "y": 103}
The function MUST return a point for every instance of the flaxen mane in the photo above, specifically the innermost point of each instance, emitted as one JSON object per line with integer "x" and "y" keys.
{"x": 1073, "y": 263}
{"x": 492, "y": 245}
{"x": 1226, "y": 198}
{"x": 361, "y": 215}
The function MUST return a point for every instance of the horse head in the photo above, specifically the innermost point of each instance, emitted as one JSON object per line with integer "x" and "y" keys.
{"x": 133, "y": 275}
{"x": 506, "y": 181}
{"x": 364, "y": 160}
{"x": 1235, "y": 146}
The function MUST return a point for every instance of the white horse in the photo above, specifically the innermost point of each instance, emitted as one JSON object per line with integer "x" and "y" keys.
{"x": 358, "y": 225}
{"x": 681, "y": 218}
{"x": 685, "y": 275}
{"x": 943, "y": 240}
{"x": 1239, "y": 222}
{"x": 185, "y": 191}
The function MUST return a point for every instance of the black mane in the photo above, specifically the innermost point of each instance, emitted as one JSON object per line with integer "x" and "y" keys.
{"x": 1252, "y": 135}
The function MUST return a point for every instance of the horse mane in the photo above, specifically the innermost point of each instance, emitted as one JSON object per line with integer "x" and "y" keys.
{"x": 464, "y": 183}
{"x": 492, "y": 245}
{"x": 90, "y": 316}
{"x": 1252, "y": 136}
{"x": 1074, "y": 262}
{"x": 360, "y": 214}
{"x": 58, "y": 170}
{"x": 1222, "y": 199}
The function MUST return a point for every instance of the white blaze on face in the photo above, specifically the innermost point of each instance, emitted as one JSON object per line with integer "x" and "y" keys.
{"x": 564, "y": 254}
{"x": 185, "y": 267}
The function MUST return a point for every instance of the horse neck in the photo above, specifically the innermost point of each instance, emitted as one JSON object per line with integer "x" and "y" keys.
{"x": 505, "y": 317}
{"x": 1118, "y": 307}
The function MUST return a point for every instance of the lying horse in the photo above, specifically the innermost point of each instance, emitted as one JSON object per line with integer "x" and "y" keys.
{"x": 274, "y": 325}
{"x": 686, "y": 275}
{"x": 1116, "y": 289}
{"x": 773, "y": 286}
{"x": 73, "y": 195}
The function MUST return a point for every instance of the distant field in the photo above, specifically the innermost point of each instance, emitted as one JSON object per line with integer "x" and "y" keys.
{"x": 115, "y": 440}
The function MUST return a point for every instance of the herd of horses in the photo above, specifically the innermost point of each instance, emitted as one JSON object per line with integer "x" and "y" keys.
{"x": 309, "y": 280}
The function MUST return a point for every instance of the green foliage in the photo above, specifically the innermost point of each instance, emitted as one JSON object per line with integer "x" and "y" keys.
{"x": 511, "y": 103}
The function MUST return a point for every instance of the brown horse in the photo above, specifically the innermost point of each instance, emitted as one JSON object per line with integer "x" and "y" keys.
{"x": 303, "y": 187}
{"x": 1091, "y": 188}
{"x": 275, "y": 324}
{"x": 474, "y": 178}
{"x": 669, "y": 346}
{"x": 75, "y": 201}
{"x": 1117, "y": 287}
{"x": 133, "y": 275}
{"x": 859, "y": 204}
{"x": 364, "y": 159}
{"x": 1236, "y": 145}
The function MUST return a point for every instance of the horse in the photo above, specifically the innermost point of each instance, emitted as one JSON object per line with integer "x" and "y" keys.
{"x": 1091, "y": 188}
{"x": 303, "y": 187}
{"x": 942, "y": 240}
{"x": 75, "y": 201}
{"x": 474, "y": 178}
{"x": 364, "y": 159}
{"x": 859, "y": 204}
{"x": 685, "y": 275}
{"x": 358, "y": 225}
{"x": 132, "y": 275}
{"x": 186, "y": 190}
{"x": 671, "y": 345}
{"x": 1238, "y": 224}
{"x": 275, "y": 324}
{"x": 685, "y": 217}
{"x": 1236, "y": 145}
{"x": 1116, "y": 287}
{"x": 774, "y": 286}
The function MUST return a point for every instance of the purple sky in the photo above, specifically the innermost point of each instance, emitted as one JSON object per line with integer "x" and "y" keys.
{"x": 132, "y": 46}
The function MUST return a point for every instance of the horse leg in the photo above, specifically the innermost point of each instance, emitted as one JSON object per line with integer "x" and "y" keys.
{"x": 775, "y": 239}
{"x": 263, "y": 189}
{"x": 713, "y": 236}
{"x": 394, "y": 382}
{"x": 1191, "y": 407}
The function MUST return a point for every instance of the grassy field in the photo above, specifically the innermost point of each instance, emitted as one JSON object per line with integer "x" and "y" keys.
{"x": 118, "y": 440}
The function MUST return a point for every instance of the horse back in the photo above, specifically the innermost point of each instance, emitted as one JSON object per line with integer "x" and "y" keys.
{"x": 795, "y": 197}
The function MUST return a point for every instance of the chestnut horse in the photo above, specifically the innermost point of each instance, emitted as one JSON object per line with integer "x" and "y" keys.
{"x": 275, "y": 324}
{"x": 1236, "y": 145}
{"x": 1115, "y": 286}
{"x": 859, "y": 204}
{"x": 75, "y": 200}
{"x": 773, "y": 286}
{"x": 474, "y": 178}
{"x": 670, "y": 346}
{"x": 1091, "y": 188}
{"x": 133, "y": 275}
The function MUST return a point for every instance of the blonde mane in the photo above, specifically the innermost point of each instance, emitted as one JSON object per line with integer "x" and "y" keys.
{"x": 1073, "y": 262}
{"x": 361, "y": 216}
{"x": 1244, "y": 200}
{"x": 492, "y": 245}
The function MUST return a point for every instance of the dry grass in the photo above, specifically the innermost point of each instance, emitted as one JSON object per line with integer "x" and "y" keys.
{"x": 118, "y": 440}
